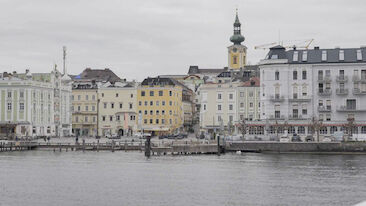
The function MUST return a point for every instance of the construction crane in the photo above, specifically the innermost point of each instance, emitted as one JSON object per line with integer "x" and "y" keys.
{"x": 304, "y": 44}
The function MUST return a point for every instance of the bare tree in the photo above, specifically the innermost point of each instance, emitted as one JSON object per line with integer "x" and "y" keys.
{"x": 243, "y": 127}
{"x": 349, "y": 126}
{"x": 315, "y": 126}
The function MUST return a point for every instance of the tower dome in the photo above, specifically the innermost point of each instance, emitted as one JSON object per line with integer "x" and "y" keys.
{"x": 237, "y": 38}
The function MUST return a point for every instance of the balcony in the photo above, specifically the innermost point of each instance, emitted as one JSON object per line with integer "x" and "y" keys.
{"x": 342, "y": 91}
{"x": 324, "y": 109}
{"x": 325, "y": 92}
{"x": 295, "y": 117}
{"x": 273, "y": 117}
{"x": 303, "y": 99}
{"x": 345, "y": 108}
{"x": 324, "y": 79}
{"x": 342, "y": 78}
{"x": 277, "y": 98}
{"x": 358, "y": 91}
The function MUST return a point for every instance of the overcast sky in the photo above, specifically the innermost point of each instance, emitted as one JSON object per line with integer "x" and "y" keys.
{"x": 137, "y": 39}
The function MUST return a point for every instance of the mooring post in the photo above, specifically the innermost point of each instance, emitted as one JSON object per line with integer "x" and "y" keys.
{"x": 98, "y": 145}
{"x": 83, "y": 145}
{"x": 218, "y": 145}
{"x": 147, "y": 147}
{"x": 112, "y": 146}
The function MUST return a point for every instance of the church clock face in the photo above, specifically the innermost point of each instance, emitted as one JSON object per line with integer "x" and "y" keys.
{"x": 235, "y": 49}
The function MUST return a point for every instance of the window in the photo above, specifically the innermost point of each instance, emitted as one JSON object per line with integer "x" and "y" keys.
{"x": 274, "y": 56}
{"x": 170, "y": 121}
{"x": 351, "y": 104}
{"x": 170, "y": 103}
{"x": 131, "y": 105}
{"x": 157, "y": 112}
{"x": 110, "y": 118}
{"x": 219, "y": 107}
{"x": 304, "y": 56}
{"x": 93, "y": 108}
{"x": 157, "y": 103}
{"x": 79, "y": 97}
{"x": 324, "y": 55}
{"x": 151, "y": 121}
{"x": 131, "y": 95}
{"x": 120, "y": 105}
{"x": 162, "y": 112}
{"x": 157, "y": 121}
{"x": 162, "y": 121}
{"x": 294, "y": 75}
{"x": 241, "y": 104}
{"x": 151, "y": 103}
{"x": 103, "y": 118}
{"x": 251, "y": 94}
{"x": 76, "y": 119}
{"x": 151, "y": 112}
{"x": 140, "y": 103}
{"x": 218, "y": 96}
{"x": 231, "y": 96}
{"x": 9, "y": 94}
{"x": 163, "y": 103}
{"x": 323, "y": 130}
{"x": 304, "y": 111}
{"x": 231, "y": 118}
{"x": 112, "y": 105}
{"x": 219, "y": 119}
{"x": 105, "y": 105}
{"x": 102, "y": 94}
{"x": 277, "y": 111}
{"x": 160, "y": 93}
{"x": 21, "y": 94}
{"x": 86, "y": 97}
{"x": 230, "y": 107}
{"x": 304, "y": 91}
{"x": 170, "y": 93}
{"x": 328, "y": 118}
{"x": 118, "y": 117}
{"x": 145, "y": 112}
{"x": 235, "y": 59}
{"x": 241, "y": 94}
{"x": 359, "y": 55}
{"x": 145, "y": 121}
{"x": 145, "y": 103}
{"x": 170, "y": 112}
{"x": 295, "y": 58}
{"x": 86, "y": 108}
{"x": 151, "y": 93}
{"x": 93, "y": 97}
{"x": 341, "y": 55}
{"x": 277, "y": 75}
{"x": 79, "y": 108}
{"x": 142, "y": 93}
{"x": 21, "y": 106}
{"x": 301, "y": 130}
{"x": 116, "y": 94}
{"x": 251, "y": 104}
{"x": 72, "y": 97}
{"x": 86, "y": 119}
{"x": 94, "y": 119}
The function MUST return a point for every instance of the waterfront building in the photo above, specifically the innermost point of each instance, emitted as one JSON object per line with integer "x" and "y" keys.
{"x": 85, "y": 108}
{"x": 117, "y": 108}
{"x": 98, "y": 75}
{"x": 35, "y": 104}
{"x": 160, "y": 105}
{"x": 327, "y": 86}
{"x": 228, "y": 104}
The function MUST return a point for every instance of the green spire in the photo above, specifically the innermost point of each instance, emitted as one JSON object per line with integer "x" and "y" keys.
{"x": 237, "y": 38}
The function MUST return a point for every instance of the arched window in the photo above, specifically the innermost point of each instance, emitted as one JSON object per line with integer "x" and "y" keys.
{"x": 291, "y": 130}
{"x": 323, "y": 130}
{"x": 333, "y": 129}
{"x": 301, "y": 130}
{"x": 363, "y": 130}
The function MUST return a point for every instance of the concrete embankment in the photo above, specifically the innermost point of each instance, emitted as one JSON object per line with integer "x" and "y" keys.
{"x": 298, "y": 147}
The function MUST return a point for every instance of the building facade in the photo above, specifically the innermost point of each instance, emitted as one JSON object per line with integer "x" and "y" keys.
{"x": 328, "y": 86}
{"x": 117, "y": 109}
{"x": 160, "y": 106}
{"x": 35, "y": 104}
{"x": 85, "y": 108}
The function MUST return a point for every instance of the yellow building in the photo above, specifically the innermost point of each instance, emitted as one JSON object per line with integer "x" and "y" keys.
{"x": 160, "y": 107}
{"x": 237, "y": 53}
{"x": 84, "y": 108}
{"x": 117, "y": 109}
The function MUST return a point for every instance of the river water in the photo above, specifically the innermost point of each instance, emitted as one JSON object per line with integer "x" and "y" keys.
{"x": 128, "y": 178}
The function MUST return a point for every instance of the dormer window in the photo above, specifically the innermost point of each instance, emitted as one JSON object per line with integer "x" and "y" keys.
{"x": 359, "y": 55}
{"x": 274, "y": 56}
{"x": 295, "y": 58}
{"x": 341, "y": 55}
{"x": 324, "y": 55}
{"x": 305, "y": 56}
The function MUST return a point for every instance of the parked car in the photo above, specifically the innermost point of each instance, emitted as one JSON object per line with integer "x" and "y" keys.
{"x": 326, "y": 139}
{"x": 284, "y": 139}
{"x": 309, "y": 138}
{"x": 296, "y": 138}
{"x": 114, "y": 136}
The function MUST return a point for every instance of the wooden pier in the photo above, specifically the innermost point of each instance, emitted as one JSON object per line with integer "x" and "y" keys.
{"x": 17, "y": 146}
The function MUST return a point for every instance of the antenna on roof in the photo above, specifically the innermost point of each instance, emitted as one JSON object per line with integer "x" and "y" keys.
{"x": 64, "y": 58}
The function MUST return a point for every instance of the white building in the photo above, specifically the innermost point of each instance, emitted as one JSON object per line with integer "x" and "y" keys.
{"x": 35, "y": 104}
{"x": 300, "y": 86}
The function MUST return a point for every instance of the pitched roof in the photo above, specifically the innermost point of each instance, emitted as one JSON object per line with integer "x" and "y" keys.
{"x": 99, "y": 75}
{"x": 252, "y": 82}
{"x": 315, "y": 56}
{"x": 196, "y": 70}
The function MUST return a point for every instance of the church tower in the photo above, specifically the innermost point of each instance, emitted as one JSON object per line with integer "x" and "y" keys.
{"x": 237, "y": 53}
